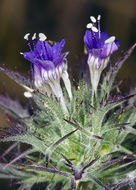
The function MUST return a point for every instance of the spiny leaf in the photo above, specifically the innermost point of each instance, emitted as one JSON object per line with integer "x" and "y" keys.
{"x": 18, "y": 157}
{"x": 64, "y": 137}
{"x": 9, "y": 149}
{"x": 110, "y": 76}
{"x": 21, "y": 80}
{"x": 116, "y": 168}
{"x": 79, "y": 127}
{"x": 88, "y": 165}
{"x": 101, "y": 184}
{"x": 111, "y": 162}
{"x": 120, "y": 184}
{"x": 69, "y": 163}
{"x": 46, "y": 170}
{"x": 13, "y": 107}
{"x": 125, "y": 55}
{"x": 28, "y": 139}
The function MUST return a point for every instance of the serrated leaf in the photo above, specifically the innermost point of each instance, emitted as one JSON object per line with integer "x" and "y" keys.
{"x": 21, "y": 80}
{"x": 110, "y": 76}
{"x": 28, "y": 139}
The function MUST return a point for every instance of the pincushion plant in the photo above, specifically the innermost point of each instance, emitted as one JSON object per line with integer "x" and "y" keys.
{"x": 76, "y": 136}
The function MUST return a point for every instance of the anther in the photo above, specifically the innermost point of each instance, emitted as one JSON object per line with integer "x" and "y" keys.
{"x": 93, "y": 19}
{"x": 94, "y": 29}
{"x": 42, "y": 37}
{"x": 34, "y": 36}
{"x": 89, "y": 25}
{"x": 26, "y": 36}
{"x": 109, "y": 40}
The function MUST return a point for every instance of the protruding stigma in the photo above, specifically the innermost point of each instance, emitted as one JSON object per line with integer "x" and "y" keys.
{"x": 99, "y": 17}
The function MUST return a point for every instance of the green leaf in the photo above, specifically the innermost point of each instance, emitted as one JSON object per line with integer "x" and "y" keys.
{"x": 28, "y": 139}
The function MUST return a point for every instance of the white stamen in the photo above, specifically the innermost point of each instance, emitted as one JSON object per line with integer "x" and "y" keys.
{"x": 28, "y": 94}
{"x": 42, "y": 37}
{"x": 94, "y": 29}
{"x": 93, "y": 19}
{"x": 26, "y": 36}
{"x": 21, "y": 53}
{"x": 109, "y": 40}
{"x": 34, "y": 36}
{"x": 99, "y": 17}
{"x": 89, "y": 25}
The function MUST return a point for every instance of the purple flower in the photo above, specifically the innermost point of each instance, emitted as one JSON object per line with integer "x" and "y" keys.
{"x": 47, "y": 60}
{"x": 48, "y": 65}
{"x": 99, "y": 46}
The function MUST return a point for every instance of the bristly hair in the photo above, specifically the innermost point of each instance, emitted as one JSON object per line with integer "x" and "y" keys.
{"x": 15, "y": 128}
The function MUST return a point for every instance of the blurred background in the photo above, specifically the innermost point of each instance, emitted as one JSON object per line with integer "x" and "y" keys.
{"x": 61, "y": 19}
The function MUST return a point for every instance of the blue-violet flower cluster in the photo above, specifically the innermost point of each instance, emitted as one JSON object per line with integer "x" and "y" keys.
{"x": 48, "y": 66}
{"x": 99, "y": 46}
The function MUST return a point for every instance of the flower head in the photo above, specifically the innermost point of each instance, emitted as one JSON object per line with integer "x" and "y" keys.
{"x": 47, "y": 60}
{"x": 99, "y": 46}
{"x": 48, "y": 65}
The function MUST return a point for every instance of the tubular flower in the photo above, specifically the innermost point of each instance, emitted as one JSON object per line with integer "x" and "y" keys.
{"x": 100, "y": 47}
{"x": 48, "y": 66}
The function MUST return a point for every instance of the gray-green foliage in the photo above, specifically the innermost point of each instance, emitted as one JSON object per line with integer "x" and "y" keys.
{"x": 82, "y": 149}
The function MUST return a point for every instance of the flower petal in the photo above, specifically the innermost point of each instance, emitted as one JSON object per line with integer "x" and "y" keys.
{"x": 91, "y": 40}
{"x": 43, "y": 50}
{"x": 109, "y": 48}
{"x": 29, "y": 56}
{"x": 45, "y": 64}
{"x": 48, "y": 50}
{"x": 104, "y": 37}
{"x": 58, "y": 60}
{"x": 57, "y": 47}
{"x": 88, "y": 39}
